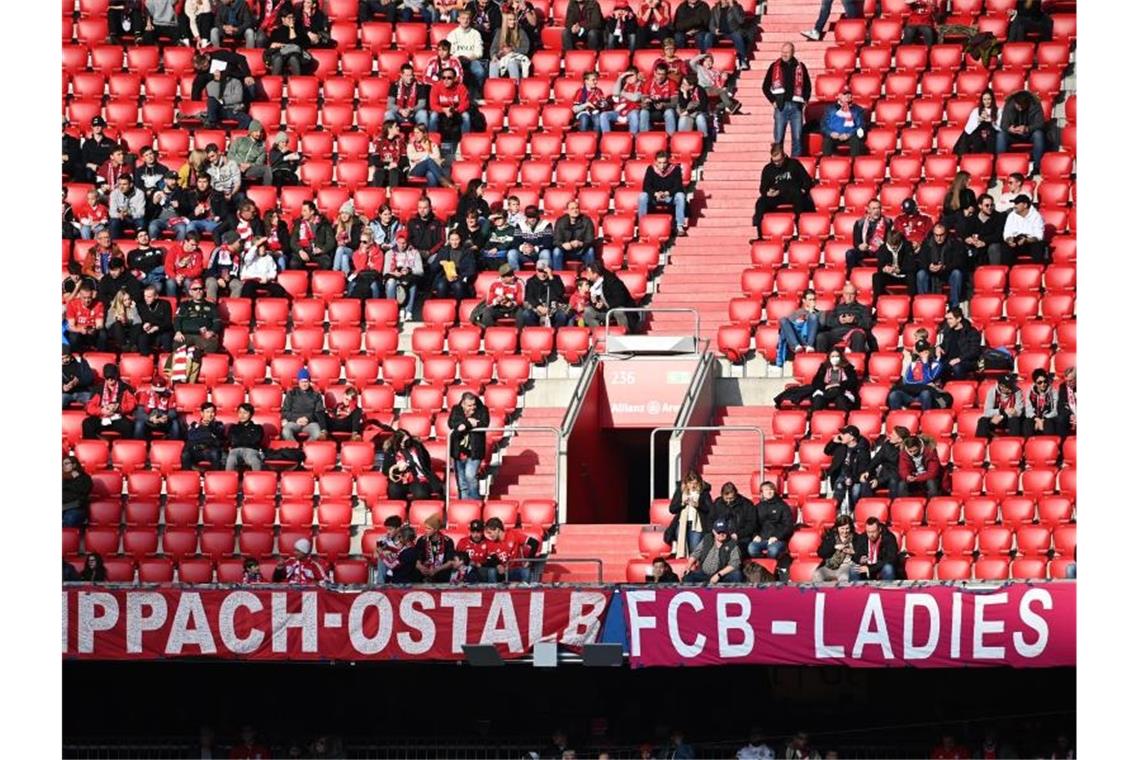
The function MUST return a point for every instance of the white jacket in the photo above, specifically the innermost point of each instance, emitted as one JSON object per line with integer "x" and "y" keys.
{"x": 254, "y": 267}
{"x": 466, "y": 43}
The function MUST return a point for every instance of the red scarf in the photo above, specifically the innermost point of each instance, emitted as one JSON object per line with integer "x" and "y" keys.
{"x": 346, "y": 407}
{"x": 846, "y": 114}
{"x": 305, "y": 235}
{"x": 1042, "y": 403}
{"x": 777, "y": 70}
{"x": 834, "y": 375}
{"x": 876, "y": 234}
{"x": 1006, "y": 404}
{"x": 405, "y": 94}
{"x": 873, "y": 550}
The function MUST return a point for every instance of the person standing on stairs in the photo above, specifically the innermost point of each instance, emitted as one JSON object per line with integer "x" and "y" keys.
{"x": 787, "y": 86}
{"x": 782, "y": 183}
{"x": 468, "y": 444}
{"x": 851, "y": 9}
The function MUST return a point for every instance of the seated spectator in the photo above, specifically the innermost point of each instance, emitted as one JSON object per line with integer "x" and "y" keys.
{"x": 584, "y": 25}
{"x": 691, "y": 506}
{"x": 920, "y": 469}
{"x": 195, "y": 165}
{"x": 510, "y": 50}
{"x": 404, "y": 570}
{"x": 94, "y": 570}
{"x": 544, "y": 300}
{"x": 726, "y": 19}
{"x": 245, "y": 437}
{"x": 959, "y": 345}
{"x": 835, "y": 383}
{"x": 448, "y": 102}
{"x": 407, "y": 105}
{"x": 128, "y": 207}
{"x": 93, "y": 217}
{"x": 692, "y": 106}
{"x": 467, "y": 44}
{"x": 673, "y": 63}
{"x": 1003, "y": 409}
{"x": 99, "y": 257}
{"x": 1023, "y": 121}
{"x": 579, "y": 302}
{"x": 503, "y": 301}
{"x": 798, "y": 329}
{"x": 384, "y": 228}
{"x": 654, "y": 23}
{"x": 533, "y": 241}
{"x": 850, "y": 459}
{"x": 251, "y": 572}
{"x": 301, "y": 569}
{"x": 620, "y": 31}
{"x": 286, "y": 49}
{"x": 259, "y": 273}
{"x": 248, "y": 151}
{"x": 883, "y": 469}
{"x": 223, "y": 267}
{"x": 96, "y": 150}
{"x": 626, "y": 100}
{"x": 659, "y": 101}
{"x": 233, "y": 22}
{"x": 110, "y": 406}
{"x": 408, "y": 466}
{"x": 157, "y": 330}
{"x": 403, "y": 268}
{"x": 149, "y": 174}
{"x": 424, "y": 157}
{"x": 347, "y": 417}
{"x": 717, "y": 558}
{"x": 982, "y": 234}
{"x": 897, "y": 264}
{"x": 608, "y": 294}
{"x": 77, "y": 487}
{"x": 507, "y": 548}
{"x": 691, "y": 25}
{"x": 573, "y": 237}
{"x": 959, "y": 203}
{"x": 1024, "y": 232}
{"x": 1067, "y": 404}
{"x": 387, "y": 552}
{"x": 475, "y": 547}
{"x": 662, "y": 572}
{"x": 500, "y": 240}
{"x": 982, "y": 126}
{"x": 844, "y": 123}
{"x": 663, "y": 187}
{"x": 837, "y": 552}
{"x": 474, "y": 231}
{"x": 782, "y": 183}
{"x": 207, "y": 208}
{"x": 303, "y": 410}
{"x": 876, "y": 551}
{"x": 472, "y": 200}
{"x": 312, "y": 241}
{"x": 277, "y": 237}
{"x": 1031, "y": 18}
{"x": 113, "y": 169}
{"x": 590, "y": 104}
{"x": 346, "y": 230}
{"x": 284, "y": 163}
{"x": 123, "y": 323}
{"x": 313, "y": 23}
{"x": 774, "y": 524}
{"x": 1041, "y": 406}
{"x": 1003, "y": 194}
{"x": 941, "y": 261}
{"x": 155, "y": 411}
{"x": 740, "y": 513}
{"x": 850, "y": 322}
{"x": 456, "y": 266}
{"x": 919, "y": 381}
{"x": 147, "y": 263}
{"x": 115, "y": 281}
{"x": 912, "y": 223}
{"x": 713, "y": 82}
{"x": 78, "y": 379}
{"x": 921, "y": 22}
{"x": 205, "y": 439}
{"x": 436, "y": 551}
{"x": 468, "y": 445}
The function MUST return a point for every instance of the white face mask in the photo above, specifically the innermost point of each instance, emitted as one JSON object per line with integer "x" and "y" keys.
{"x": 835, "y": 361}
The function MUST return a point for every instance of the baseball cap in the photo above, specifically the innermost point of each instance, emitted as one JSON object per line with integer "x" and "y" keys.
{"x": 720, "y": 526}
{"x": 850, "y": 430}
{"x": 402, "y": 235}
{"x": 98, "y": 121}
{"x": 475, "y": 525}
{"x": 1022, "y": 198}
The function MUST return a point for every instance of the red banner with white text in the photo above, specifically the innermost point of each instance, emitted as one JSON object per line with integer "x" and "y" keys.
{"x": 1021, "y": 625}
{"x": 321, "y": 624}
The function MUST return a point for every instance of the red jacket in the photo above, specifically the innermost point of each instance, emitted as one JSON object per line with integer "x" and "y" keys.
{"x": 500, "y": 289}
{"x": 455, "y": 96}
{"x": 922, "y": 13}
{"x": 372, "y": 259}
{"x": 931, "y": 465}
{"x": 478, "y": 552}
{"x": 189, "y": 265}
{"x": 914, "y": 228}
{"x": 122, "y": 395}
{"x": 86, "y": 316}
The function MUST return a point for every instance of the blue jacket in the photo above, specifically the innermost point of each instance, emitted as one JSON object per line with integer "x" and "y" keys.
{"x": 832, "y": 122}
{"x": 929, "y": 373}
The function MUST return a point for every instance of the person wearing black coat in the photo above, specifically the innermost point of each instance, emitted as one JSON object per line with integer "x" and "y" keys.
{"x": 406, "y": 462}
{"x": 608, "y": 292}
{"x": 896, "y": 263}
{"x": 783, "y": 182}
{"x": 465, "y": 260}
{"x": 883, "y": 469}
{"x": 774, "y": 523}
{"x": 78, "y": 379}
{"x": 876, "y": 552}
{"x": 468, "y": 449}
{"x": 77, "y": 486}
{"x": 157, "y": 317}
{"x": 543, "y": 296}
{"x": 850, "y": 457}
{"x": 740, "y": 514}
{"x": 959, "y": 345}
{"x": 73, "y": 168}
{"x": 835, "y": 384}
{"x": 693, "y": 499}
{"x": 941, "y": 261}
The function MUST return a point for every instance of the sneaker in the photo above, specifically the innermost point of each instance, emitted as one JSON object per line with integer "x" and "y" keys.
{"x": 812, "y": 34}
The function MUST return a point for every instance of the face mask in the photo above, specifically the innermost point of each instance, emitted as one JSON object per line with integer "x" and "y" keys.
{"x": 835, "y": 361}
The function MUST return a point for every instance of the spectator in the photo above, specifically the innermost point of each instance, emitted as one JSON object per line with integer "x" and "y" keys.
{"x": 504, "y": 298}
{"x": 673, "y": 63}
{"x": 204, "y": 440}
{"x": 919, "y": 380}
{"x": 920, "y": 469}
{"x": 472, "y": 200}
{"x": 284, "y": 163}
{"x": 981, "y": 131}
{"x": 836, "y": 384}
{"x": 303, "y": 410}
{"x": 1030, "y": 18}
{"x": 245, "y": 438}
{"x": 404, "y": 570}
{"x": 783, "y": 74}
{"x": 756, "y": 749}
{"x": 312, "y": 241}
{"x": 424, "y": 157}
{"x": 259, "y": 273}
{"x": 115, "y": 167}
{"x": 528, "y": 18}
{"x": 921, "y": 22}
{"x": 590, "y": 104}
{"x": 982, "y": 234}
{"x": 1024, "y": 232}
{"x": 487, "y": 18}
{"x": 403, "y": 268}
{"x": 72, "y": 156}
{"x": 116, "y": 280}
{"x": 409, "y": 469}
{"x": 1041, "y": 405}
{"x": 157, "y": 331}
{"x": 782, "y": 182}
{"x": 654, "y": 23}
{"x": 223, "y": 267}
{"x": 300, "y": 569}
{"x": 70, "y": 574}
{"x": 128, "y": 207}
{"x": 691, "y": 506}
{"x": 740, "y": 513}
{"x": 147, "y": 262}
{"x": 959, "y": 345}
{"x": 620, "y": 31}
{"x": 851, "y": 9}
{"x": 407, "y": 106}
{"x": 277, "y": 237}
{"x": 662, "y": 572}
{"x": 476, "y": 546}
{"x": 467, "y": 444}
{"x": 692, "y": 106}
{"x": 1067, "y": 404}
{"x": 248, "y": 152}
{"x": 883, "y": 469}
{"x": 346, "y": 231}
{"x": 449, "y": 105}
{"x": 96, "y": 149}
{"x": 387, "y": 552}
{"x": 837, "y": 550}
{"x": 251, "y": 572}
{"x": 155, "y": 411}
{"x": 500, "y": 240}
{"x": 849, "y": 321}
{"x": 443, "y": 61}
{"x": 195, "y": 165}
{"x": 99, "y": 258}
{"x": 726, "y": 19}
{"x": 467, "y": 44}
{"x": 233, "y": 22}
{"x": 659, "y": 101}
{"x": 510, "y": 50}
{"x": 534, "y": 240}
{"x": 286, "y": 51}
{"x": 663, "y": 187}
{"x": 123, "y": 323}
{"x": 691, "y": 24}
{"x": 850, "y": 459}
{"x": 608, "y": 294}
{"x": 1003, "y": 409}
{"x": 579, "y": 302}
{"x": 436, "y": 553}
{"x": 77, "y": 379}
{"x": 959, "y": 203}
{"x": 225, "y": 92}
{"x": 197, "y": 323}
{"x": 455, "y": 266}
{"x": 876, "y": 551}
{"x": 1014, "y": 186}
{"x": 384, "y": 228}
{"x": 149, "y": 174}
{"x": 627, "y": 99}
{"x": 912, "y": 223}
{"x": 93, "y": 218}
{"x": 77, "y": 487}
{"x": 798, "y": 329}
{"x": 93, "y": 569}
{"x": 507, "y": 548}
{"x": 544, "y": 300}
{"x": 583, "y": 24}
{"x": 774, "y": 524}
{"x": 225, "y": 176}
{"x": 313, "y": 24}
{"x": 346, "y": 417}
{"x": 897, "y": 264}
{"x": 716, "y": 559}
{"x": 110, "y": 406}
{"x": 207, "y": 208}
{"x": 712, "y": 81}
{"x": 941, "y": 260}
{"x": 573, "y": 237}
{"x": 1023, "y": 121}
{"x": 844, "y": 123}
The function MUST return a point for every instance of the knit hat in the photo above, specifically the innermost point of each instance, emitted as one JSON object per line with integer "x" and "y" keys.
{"x": 434, "y": 522}
{"x": 303, "y": 374}
{"x": 280, "y": 137}
{"x": 348, "y": 207}
{"x": 255, "y": 126}
{"x": 303, "y": 545}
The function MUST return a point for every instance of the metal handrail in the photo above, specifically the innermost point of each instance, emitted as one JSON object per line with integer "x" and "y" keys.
{"x": 650, "y": 310}
{"x": 596, "y": 561}
{"x": 506, "y": 428}
{"x": 682, "y": 549}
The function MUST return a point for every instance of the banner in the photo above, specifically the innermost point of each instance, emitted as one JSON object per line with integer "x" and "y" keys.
{"x": 1019, "y": 625}
{"x": 321, "y": 624}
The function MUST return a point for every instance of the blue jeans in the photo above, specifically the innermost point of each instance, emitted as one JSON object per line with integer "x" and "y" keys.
{"x": 703, "y": 40}
{"x": 924, "y": 281}
{"x": 764, "y": 549}
{"x": 902, "y": 398}
{"x": 202, "y": 226}
{"x": 528, "y": 317}
{"x": 390, "y": 292}
{"x": 467, "y": 477}
{"x": 851, "y": 9}
{"x": 592, "y": 122}
{"x": 607, "y": 120}
{"x": 693, "y": 539}
{"x": 515, "y": 258}
{"x": 342, "y": 260}
{"x": 118, "y": 225}
{"x": 669, "y": 116}
{"x": 158, "y": 226}
{"x": 419, "y": 117}
{"x": 464, "y": 122}
{"x": 427, "y": 168}
{"x": 737, "y": 42}
{"x": 216, "y": 113}
{"x": 1071, "y": 571}
{"x": 792, "y": 336}
{"x": 678, "y": 207}
{"x": 699, "y": 121}
{"x": 82, "y": 397}
{"x": 74, "y": 518}
{"x": 886, "y": 573}
{"x": 476, "y": 75}
{"x": 1037, "y": 137}
{"x": 558, "y": 257}
{"x": 851, "y": 493}
{"x": 87, "y": 231}
{"x": 790, "y": 115}
{"x": 697, "y": 576}
{"x": 173, "y": 429}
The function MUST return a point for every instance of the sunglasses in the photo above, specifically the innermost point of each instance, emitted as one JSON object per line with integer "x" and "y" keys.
{"x": 195, "y": 289}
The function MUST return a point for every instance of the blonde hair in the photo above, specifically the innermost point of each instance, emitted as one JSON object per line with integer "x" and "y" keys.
{"x": 118, "y": 309}
{"x": 510, "y": 36}
{"x": 961, "y": 179}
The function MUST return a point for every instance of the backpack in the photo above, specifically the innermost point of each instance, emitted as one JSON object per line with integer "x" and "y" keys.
{"x": 995, "y": 359}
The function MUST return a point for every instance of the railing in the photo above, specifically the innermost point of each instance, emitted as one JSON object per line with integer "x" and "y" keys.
{"x": 682, "y": 547}
{"x": 651, "y": 310}
{"x": 511, "y": 429}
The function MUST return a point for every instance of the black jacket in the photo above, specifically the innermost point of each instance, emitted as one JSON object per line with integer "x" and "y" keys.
{"x": 159, "y": 313}
{"x": 885, "y": 461}
{"x": 789, "y": 83}
{"x": 741, "y": 515}
{"x": 908, "y": 259}
{"x": 246, "y": 435}
{"x": 73, "y": 168}
{"x": 859, "y": 232}
{"x": 236, "y": 64}
{"x": 77, "y": 489}
{"x": 691, "y": 18}
{"x": 850, "y": 382}
{"x": 324, "y": 239}
{"x": 427, "y": 237}
{"x": 192, "y": 316}
{"x": 539, "y": 293}
{"x": 203, "y": 436}
{"x": 830, "y": 319}
{"x": 964, "y": 344}
{"x": 110, "y": 286}
{"x": 950, "y": 253}
{"x": 888, "y": 550}
{"x": 789, "y": 177}
{"x": 97, "y": 151}
{"x": 704, "y": 513}
{"x": 474, "y": 445}
{"x": 615, "y": 292}
{"x": 848, "y": 461}
{"x": 78, "y": 368}
{"x": 774, "y": 519}
{"x": 146, "y": 260}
